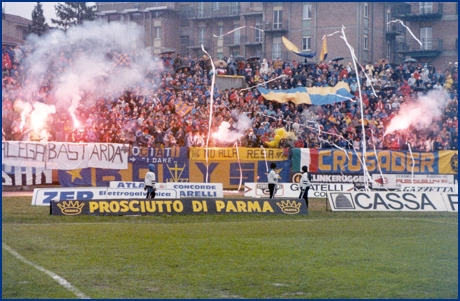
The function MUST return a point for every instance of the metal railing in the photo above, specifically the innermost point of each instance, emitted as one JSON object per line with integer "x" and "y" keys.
{"x": 427, "y": 45}
{"x": 195, "y": 13}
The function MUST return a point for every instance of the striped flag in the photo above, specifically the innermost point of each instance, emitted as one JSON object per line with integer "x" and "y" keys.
{"x": 311, "y": 96}
{"x": 182, "y": 108}
{"x": 323, "y": 54}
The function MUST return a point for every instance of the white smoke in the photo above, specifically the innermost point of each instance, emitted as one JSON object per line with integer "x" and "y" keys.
{"x": 419, "y": 114}
{"x": 92, "y": 49}
{"x": 226, "y": 135}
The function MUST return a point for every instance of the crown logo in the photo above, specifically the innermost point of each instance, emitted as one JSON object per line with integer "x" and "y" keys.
{"x": 289, "y": 207}
{"x": 71, "y": 208}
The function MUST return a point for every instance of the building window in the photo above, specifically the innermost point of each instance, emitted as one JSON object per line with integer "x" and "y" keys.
{"x": 184, "y": 43}
{"x": 426, "y": 37}
{"x": 306, "y": 43}
{"x": 201, "y": 35}
{"x": 366, "y": 10}
{"x": 236, "y": 36}
{"x": 388, "y": 19}
{"x": 258, "y": 34}
{"x": 216, "y": 5}
{"x": 220, "y": 30}
{"x": 277, "y": 19}
{"x": 276, "y": 52}
{"x": 157, "y": 30}
{"x": 200, "y": 9}
{"x": 388, "y": 52}
{"x": 235, "y": 8}
{"x": 426, "y": 7}
{"x": 306, "y": 12}
{"x": 366, "y": 43}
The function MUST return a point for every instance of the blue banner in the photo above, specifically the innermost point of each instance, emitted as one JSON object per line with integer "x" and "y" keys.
{"x": 172, "y": 165}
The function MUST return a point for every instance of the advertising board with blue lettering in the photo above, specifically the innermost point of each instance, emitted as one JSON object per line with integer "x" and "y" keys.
{"x": 182, "y": 189}
{"x": 43, "y": 196}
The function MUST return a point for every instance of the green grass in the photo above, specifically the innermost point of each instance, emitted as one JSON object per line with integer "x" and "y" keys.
{"x": 322, "y": 255}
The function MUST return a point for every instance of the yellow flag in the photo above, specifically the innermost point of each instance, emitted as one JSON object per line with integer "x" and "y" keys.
{"x": 323, "y": 54}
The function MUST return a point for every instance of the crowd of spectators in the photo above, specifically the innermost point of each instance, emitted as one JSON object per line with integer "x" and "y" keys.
{"x": 150, "y": 116}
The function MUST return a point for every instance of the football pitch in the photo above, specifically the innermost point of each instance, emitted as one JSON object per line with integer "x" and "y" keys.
{"x": 322, "y": 255}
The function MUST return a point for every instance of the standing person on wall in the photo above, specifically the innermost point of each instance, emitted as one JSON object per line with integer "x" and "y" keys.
{"x": 305, "y": 184}
{"x": 272, "y": 180}
{"x": 150, "y": 181}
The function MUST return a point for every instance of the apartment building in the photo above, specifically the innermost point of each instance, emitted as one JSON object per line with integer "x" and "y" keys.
{"x": 185, "y": 26}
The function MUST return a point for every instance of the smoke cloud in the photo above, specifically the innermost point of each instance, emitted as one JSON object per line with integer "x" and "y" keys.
{"x": 227, "y": 135}
{"x": 419, "y": 114}
{"x": 104, "y": 57}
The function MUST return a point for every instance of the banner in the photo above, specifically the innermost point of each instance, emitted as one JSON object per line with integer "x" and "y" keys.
{"x": 444, "y": 188}
{"x": 63, "y": 155}
{"x": 448, "y": 162}
{"x": 354, "y": 179}
{"x": 18, "y": 176}
{"x": 178, "y": 206}
{"x": 386, "y": 201}
{"x": 291, "y": 190}
{"x": 349, "y": 162}
{"x": 44, "y": 196}
{"x": 182, "y": 189}
{"x": 234, "y": 154}
{"x": 233, "y": 174}
{"x": 451, "y": 200}
{"x": 391, "y": 181}
{"x": 313, "y": 96}
{"x": 171, "y": 166}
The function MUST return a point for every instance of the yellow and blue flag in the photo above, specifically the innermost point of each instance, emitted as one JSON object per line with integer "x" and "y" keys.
{"x": 312, "y": 96}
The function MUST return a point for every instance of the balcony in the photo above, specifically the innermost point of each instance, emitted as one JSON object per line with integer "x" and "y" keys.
{"x": 424, "y": 14}
{"x": 252, "y": 8}
{"x": 430, "y": 48}
{"x": 275, "y": 27}
{"x": 209, "y": 13}
{"x": 251, "y": 40}
{"x": 394, "y": 29}
{"x": 207, "y": 43}
{"x": 232, "y": 40}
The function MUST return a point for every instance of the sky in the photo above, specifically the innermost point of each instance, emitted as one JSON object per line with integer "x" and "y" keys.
{"x": 24, "y": 9}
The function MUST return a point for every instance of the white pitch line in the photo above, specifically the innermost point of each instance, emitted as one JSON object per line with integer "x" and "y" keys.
{"x": 56, "y": 277}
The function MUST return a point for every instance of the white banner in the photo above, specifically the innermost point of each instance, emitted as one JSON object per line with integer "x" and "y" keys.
{"x": 291, "y": 190}
{"x": 386, "y": 201}
{"x": 451, "y": 201}
{"x": 183, "y": 189}
{"x": 443, "y": 188}
{"x": 18, "y": 176}
{"x": 64, "y": 155}
{"x": 43, "y": 196}
{"x": 394, "y": 181}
